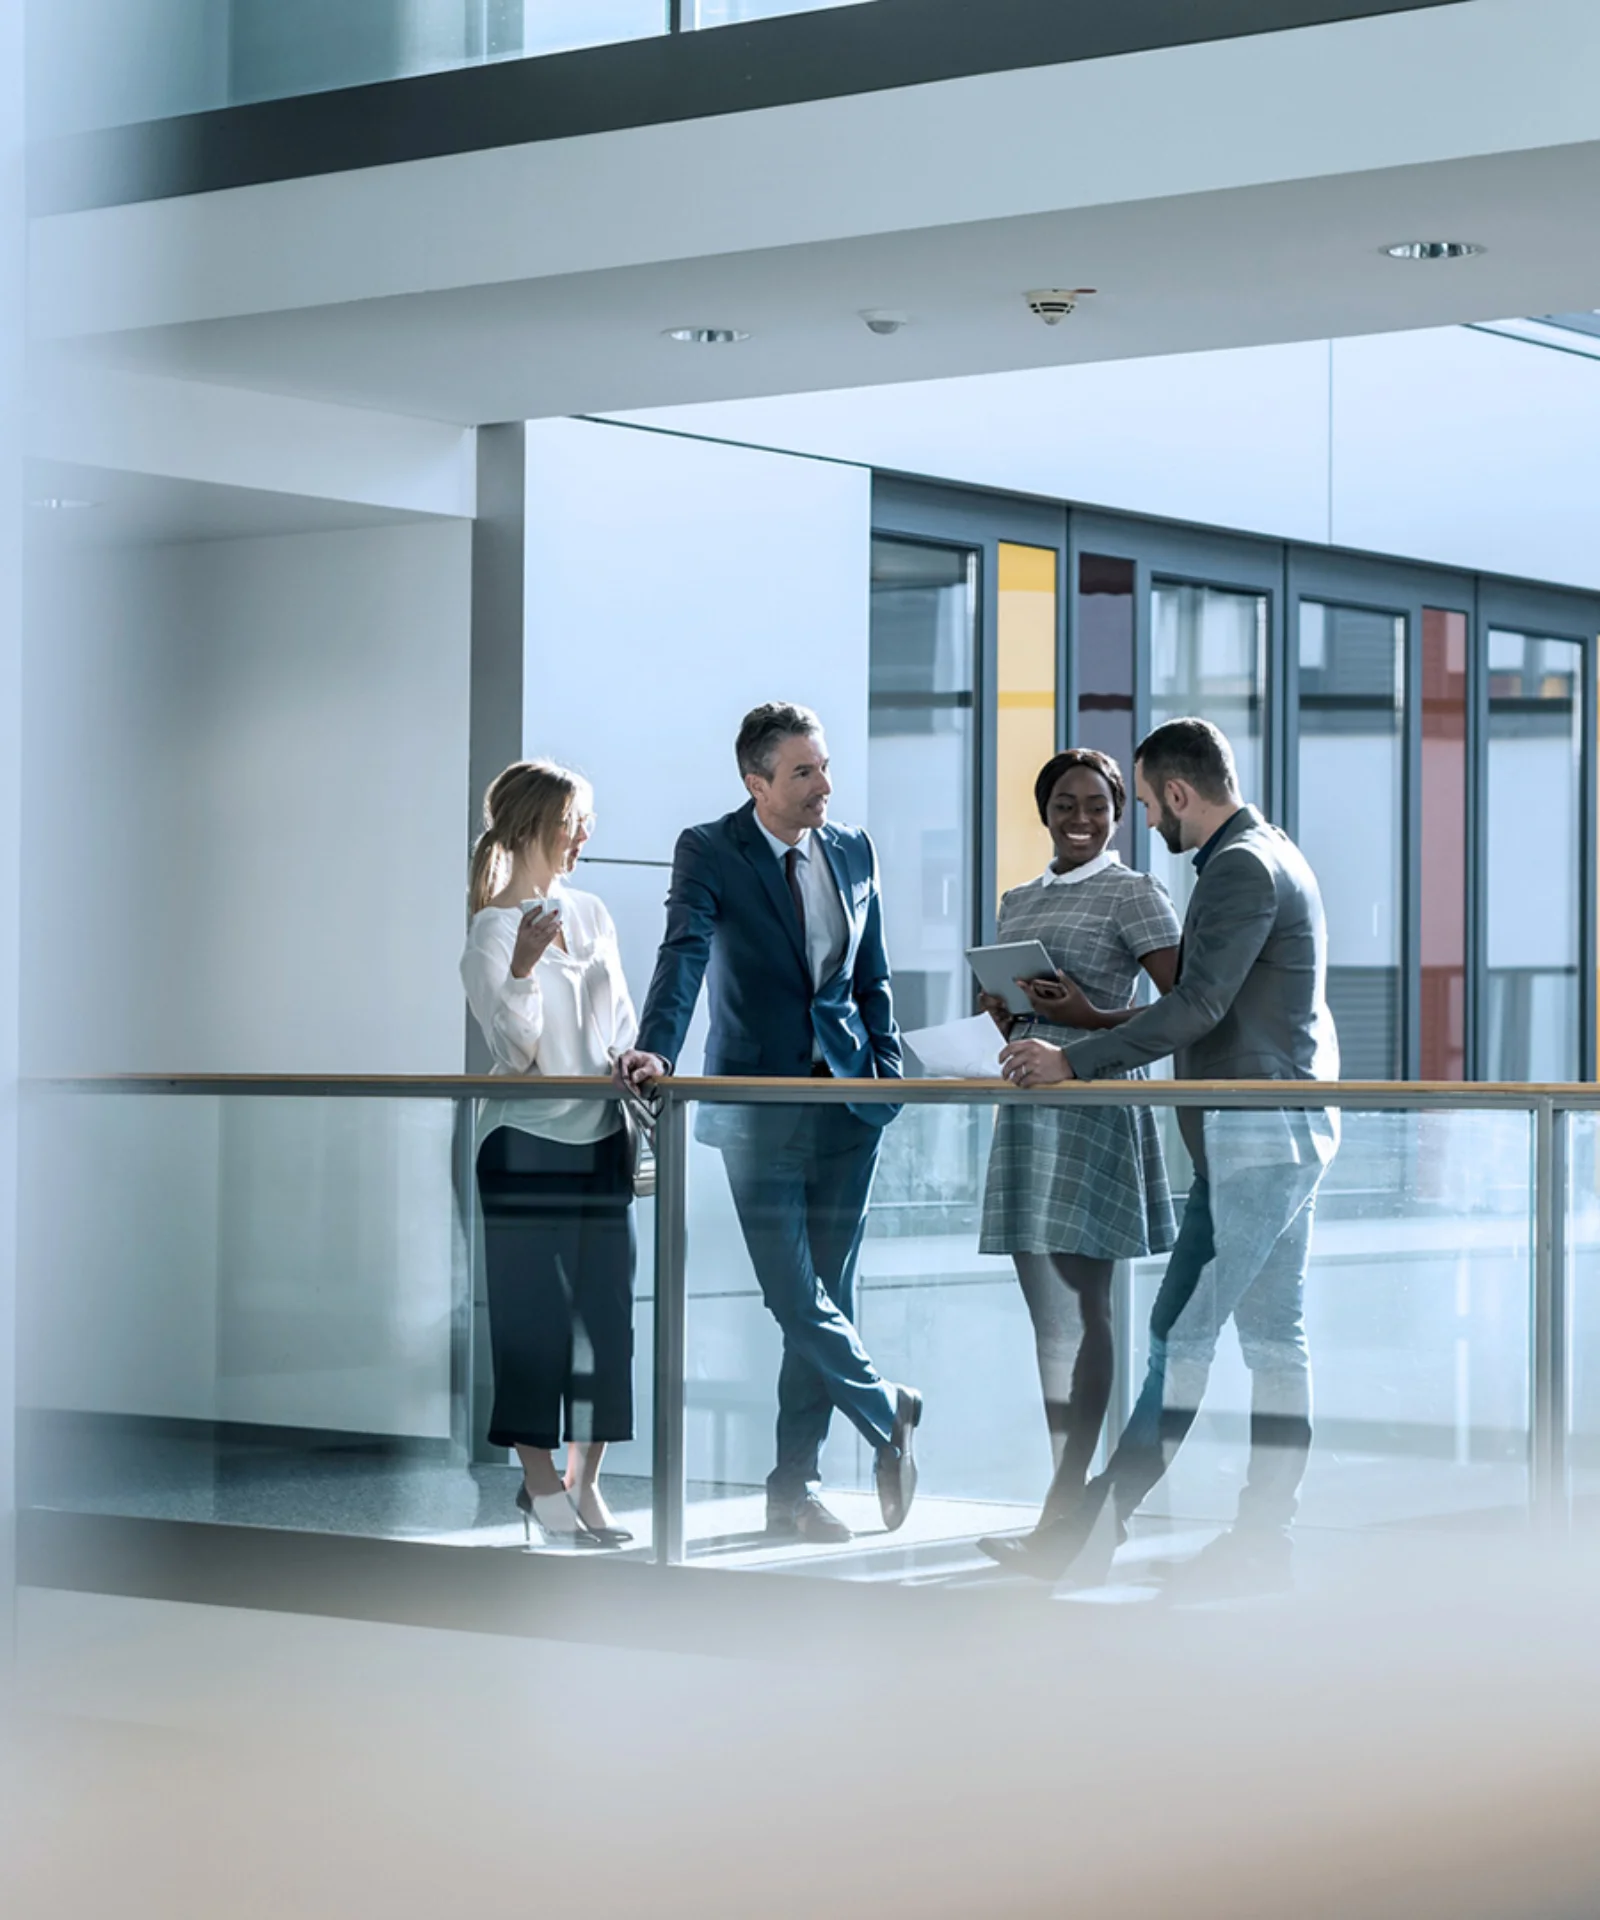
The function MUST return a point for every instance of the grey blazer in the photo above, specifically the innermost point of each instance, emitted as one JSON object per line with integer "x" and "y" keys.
{"x": 1249, "y": 1003}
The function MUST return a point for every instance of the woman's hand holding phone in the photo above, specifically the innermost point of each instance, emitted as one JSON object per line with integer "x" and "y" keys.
{"x": 1061, "y": 1001}
{"x": 538, "y": 931}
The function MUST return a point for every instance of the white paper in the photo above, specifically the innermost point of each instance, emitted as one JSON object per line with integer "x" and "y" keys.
{"x": 959, "y": 1050}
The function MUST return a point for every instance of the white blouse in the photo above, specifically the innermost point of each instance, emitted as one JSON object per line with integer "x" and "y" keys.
{"x": 563, "y": 1019}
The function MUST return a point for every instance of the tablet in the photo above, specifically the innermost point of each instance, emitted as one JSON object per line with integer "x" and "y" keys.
{"x": 998, "y": 969}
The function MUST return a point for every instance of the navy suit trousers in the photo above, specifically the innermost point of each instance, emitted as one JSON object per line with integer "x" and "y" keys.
{"x": 801, "y": 1178}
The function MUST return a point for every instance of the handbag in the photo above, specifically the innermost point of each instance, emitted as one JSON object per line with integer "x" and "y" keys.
{"x": 639, "y": 1117}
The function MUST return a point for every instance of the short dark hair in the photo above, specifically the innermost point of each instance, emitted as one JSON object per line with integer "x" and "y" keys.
{"x": 1096, "y": 762}
{"x": 764, "y": 727}
{"x": 1190, "y": 750}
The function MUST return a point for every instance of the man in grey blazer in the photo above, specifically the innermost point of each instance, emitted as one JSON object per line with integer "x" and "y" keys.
{"x": 1248, "y": 1004}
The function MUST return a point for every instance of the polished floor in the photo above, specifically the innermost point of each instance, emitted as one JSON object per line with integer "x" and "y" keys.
{"x": 1352, "y": 1502}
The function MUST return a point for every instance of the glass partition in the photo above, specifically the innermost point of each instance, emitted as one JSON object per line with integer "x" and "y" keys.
{"x": 1580, "y": 1302}
{"x": 921, "y": 766}
{"x": 99, "y": 63}
{"x": 1417, "y": 1319}
{"x": 1105, "y": 640}
{"x": 1443, "y": 871}
{"x": 727, "y": 13}
{"x": 104, "y": 63}
{"x": 1535, "y": 881}
{"x": 1208, "y": 655}
{"x": 283, "y": 1311}
{"x": 1352, "y": 765}
{"x": 277, "y": 1314}
{"x": 921, "y": 808}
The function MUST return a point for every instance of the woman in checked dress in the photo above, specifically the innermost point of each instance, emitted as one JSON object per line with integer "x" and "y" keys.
{"x": 1072, "y": 1190}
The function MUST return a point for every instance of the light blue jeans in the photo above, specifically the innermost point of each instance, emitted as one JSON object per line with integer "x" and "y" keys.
{"x": 1242, "y": 1252}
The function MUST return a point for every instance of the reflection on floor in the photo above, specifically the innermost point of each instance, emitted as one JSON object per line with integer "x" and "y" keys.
{"x": 367, "y": 1491}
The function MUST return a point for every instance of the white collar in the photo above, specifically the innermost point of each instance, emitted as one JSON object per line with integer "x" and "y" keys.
{"x": 1099, "y": 864}
{"x": 781, "y": 847}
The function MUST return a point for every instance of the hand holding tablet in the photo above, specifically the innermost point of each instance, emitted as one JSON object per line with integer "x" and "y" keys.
{"x": 998, "y": 969}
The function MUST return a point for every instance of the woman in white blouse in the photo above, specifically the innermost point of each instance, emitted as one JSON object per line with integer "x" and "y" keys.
{"x": 555, "y": 1177}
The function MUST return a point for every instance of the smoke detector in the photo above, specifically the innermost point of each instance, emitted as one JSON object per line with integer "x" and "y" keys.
{"x": 1053, "y": 304}
{"x": 884, "y": 319}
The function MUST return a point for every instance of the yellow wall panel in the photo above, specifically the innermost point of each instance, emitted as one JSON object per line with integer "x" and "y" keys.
{"x": 1026, "y": 699}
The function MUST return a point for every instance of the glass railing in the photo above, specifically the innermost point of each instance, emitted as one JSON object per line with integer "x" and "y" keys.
{"x": 102, "y": 63}
{"x": 264, "y": 1303}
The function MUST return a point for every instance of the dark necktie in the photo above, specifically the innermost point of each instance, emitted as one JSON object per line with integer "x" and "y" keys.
{"x": 791, "y": 868}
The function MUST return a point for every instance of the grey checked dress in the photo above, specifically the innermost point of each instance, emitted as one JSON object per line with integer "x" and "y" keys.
{"x": 1073, "y": 1179}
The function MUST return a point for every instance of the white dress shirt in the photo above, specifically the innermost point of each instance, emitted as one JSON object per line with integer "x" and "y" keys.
{"x": 563, "y": 1019}
{"x": 827, "y": 933}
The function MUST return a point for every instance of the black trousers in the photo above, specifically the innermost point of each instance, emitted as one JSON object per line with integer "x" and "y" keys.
{"x": 558, "y": 1245}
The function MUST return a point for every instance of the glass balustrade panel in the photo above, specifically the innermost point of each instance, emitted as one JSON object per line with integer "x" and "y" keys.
{"x": 277, "y": 1313}
{"x": 1415, "y": 1307}
{"x": 101, "y": 63}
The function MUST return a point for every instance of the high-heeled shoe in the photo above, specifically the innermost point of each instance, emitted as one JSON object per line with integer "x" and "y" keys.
{"x": 607, "y": 1534}
{"x": 557, "y": 1517}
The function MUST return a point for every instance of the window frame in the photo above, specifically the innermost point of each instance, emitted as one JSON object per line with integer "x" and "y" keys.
{"x": 1554, "y": 613}
{"x": 1285, "y": 572}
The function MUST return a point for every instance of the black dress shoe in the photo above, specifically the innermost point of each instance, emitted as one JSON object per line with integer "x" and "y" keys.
{"x": 895, "y": 1469}
{"x": 1237, "y": 1565}
{"x": 1072, "y": 1540}
{"x": 809, "y": 1521}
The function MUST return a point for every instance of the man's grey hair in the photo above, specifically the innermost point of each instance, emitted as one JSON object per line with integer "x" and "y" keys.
{"x": 765, "y": 728}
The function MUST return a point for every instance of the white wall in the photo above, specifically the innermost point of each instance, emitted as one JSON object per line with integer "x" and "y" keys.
{"x": 1448, "y": 445}
{"x": 227, "y": 436}
{"x": 1237, "y": 438}
{"x": 245, "y": 770}
{"x": 246, "y": 781}
{"x": 11, "y": 384}
{"x": 671, "y": 586}
{"x": 1468, "y": 448}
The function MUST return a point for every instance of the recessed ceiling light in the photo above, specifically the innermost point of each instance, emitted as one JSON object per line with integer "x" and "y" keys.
{"x": 59, "y": 503}
{"x": 707, "y": 336}
{"x": 1433, "y": 250}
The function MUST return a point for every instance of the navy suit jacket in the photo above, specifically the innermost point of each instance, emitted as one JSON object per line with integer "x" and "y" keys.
{"x": 731, "y": 922}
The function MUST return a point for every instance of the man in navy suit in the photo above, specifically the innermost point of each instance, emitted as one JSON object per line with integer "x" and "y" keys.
{"x": 780, "y": 913}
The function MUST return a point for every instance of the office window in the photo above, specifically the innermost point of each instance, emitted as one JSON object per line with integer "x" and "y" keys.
{"x": 281, "y": 48}
{"x": 1351, "y": 786}
{"x": 1534, "y": 817}
{"x": 1105, "y": 671}
{"x": 921, "y": 792}
{"x": 1443, "y": 1051}
{"x": 1025, "y": 732}
{"x": 1208, "y": 648}
{"x": 920, "y": 769}
{"x": 727, "y": 13}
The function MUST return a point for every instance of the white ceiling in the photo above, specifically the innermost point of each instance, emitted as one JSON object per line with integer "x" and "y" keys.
{"x": 1228, "y": 195}
{"x": 102, "y": 507}
{"x": 1300, "y": 260}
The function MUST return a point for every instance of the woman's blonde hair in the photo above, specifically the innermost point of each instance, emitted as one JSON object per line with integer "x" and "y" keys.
{"x": 531, "y": 804}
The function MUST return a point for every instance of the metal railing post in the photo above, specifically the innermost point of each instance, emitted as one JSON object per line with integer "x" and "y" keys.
{"x": 464, "y": 1300}
{"x": 1123, "y": 1336}
{"x": 1548, "y": 1384}
{"x": 671, "y": 1344}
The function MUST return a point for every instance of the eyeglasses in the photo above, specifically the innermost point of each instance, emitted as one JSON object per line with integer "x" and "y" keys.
{"x": 582, "y": 823}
